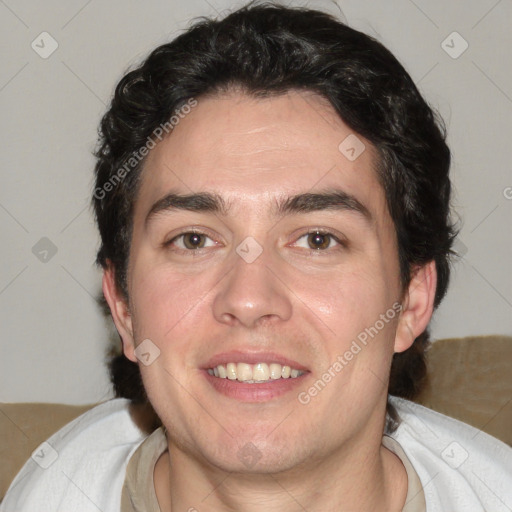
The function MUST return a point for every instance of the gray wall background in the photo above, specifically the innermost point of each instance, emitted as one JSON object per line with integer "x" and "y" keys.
{"x": 53, "y": 337}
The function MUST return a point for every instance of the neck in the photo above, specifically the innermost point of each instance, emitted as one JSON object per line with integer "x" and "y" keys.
{"x": 365, "y": 478}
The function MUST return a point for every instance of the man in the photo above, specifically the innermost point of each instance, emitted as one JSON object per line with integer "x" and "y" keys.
{"x": 272, "y": 195}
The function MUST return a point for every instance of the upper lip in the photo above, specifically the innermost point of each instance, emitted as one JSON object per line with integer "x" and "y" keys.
{"x": 241, "y": 356}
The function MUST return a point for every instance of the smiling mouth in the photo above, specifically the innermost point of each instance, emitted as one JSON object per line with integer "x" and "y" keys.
{"x": 258, "y": 373}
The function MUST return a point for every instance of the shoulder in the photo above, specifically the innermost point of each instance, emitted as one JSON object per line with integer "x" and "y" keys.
{"x": 460, "y": 467}
{"x": 81, "y": 467}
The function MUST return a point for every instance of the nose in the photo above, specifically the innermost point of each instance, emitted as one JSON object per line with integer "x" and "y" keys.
{"x": 252, "y": 294}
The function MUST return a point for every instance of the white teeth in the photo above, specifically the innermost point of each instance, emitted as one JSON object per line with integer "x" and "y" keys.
{"x": 260, "y": 372}
{"x": 243, "y": 371}
{"x": 275, "y": 371}
{"x": 231, "y": 371}
{"x": 254, "y": 373}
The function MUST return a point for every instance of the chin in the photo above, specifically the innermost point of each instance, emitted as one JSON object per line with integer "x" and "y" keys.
{"x": 254, "y": 456}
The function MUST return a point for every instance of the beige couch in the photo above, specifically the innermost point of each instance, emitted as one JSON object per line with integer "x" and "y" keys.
{"x": 470, "y": 379}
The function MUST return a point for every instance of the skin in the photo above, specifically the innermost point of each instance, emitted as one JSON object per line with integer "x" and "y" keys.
{"x": 303, "y": 303}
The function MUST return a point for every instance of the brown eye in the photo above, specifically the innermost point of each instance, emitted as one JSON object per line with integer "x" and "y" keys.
{"x": 190, "y": 241}
{"x": 193, "y": 240}
{"x": 319, "y": 240}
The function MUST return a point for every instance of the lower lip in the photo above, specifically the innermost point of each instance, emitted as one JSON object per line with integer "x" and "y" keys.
{"x": 261, "y": 392}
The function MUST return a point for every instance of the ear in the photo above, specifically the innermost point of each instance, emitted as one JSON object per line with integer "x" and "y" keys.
{"x": 418, "y": 306}
{"x": 120, "y": 312}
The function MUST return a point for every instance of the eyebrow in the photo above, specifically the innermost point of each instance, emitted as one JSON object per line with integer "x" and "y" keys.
{"x": 332, "y": 199}
{"x": 207, "y": 202}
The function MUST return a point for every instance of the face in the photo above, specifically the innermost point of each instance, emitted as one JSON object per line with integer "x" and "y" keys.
{"x": 263, "y": 251}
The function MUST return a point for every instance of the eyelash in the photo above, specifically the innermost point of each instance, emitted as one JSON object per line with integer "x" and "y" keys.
{"x": 170, "y": 242}
{"x": 322, "y": 232}
{"x": 340, "y": 243}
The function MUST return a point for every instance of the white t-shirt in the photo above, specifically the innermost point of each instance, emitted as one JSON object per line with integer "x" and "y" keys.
{"x": 82, "y": 467}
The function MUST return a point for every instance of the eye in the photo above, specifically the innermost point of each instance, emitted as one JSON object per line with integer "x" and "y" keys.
{"x": 317, "y": 240}
{"x": 191, "y": 241}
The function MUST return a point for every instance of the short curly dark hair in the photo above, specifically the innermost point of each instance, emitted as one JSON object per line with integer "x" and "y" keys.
{"x": 266, "y": 49}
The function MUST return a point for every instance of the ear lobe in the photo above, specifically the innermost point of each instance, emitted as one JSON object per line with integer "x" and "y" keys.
{"x": 418, "y": 306}
{"x": 120, "y": 312}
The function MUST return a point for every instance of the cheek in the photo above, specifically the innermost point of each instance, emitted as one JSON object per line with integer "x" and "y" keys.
{"x": 167, "y": 311}
{"x": 348, "y": 297}
{"x": 163, "y": 302}
{"x": 353, "y": 311}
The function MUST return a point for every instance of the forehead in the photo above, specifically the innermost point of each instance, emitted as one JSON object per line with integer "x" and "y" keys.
{"x": 252, "y": 151}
